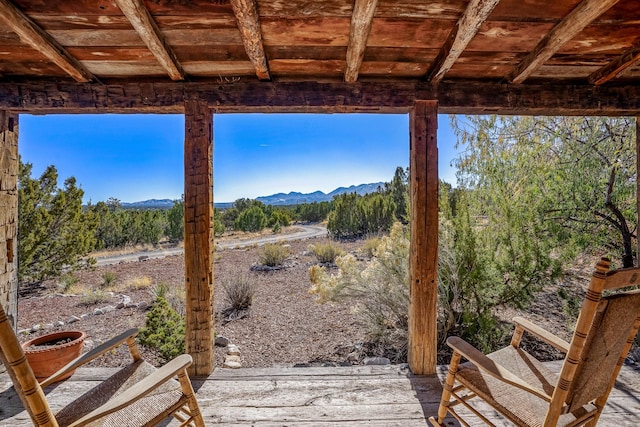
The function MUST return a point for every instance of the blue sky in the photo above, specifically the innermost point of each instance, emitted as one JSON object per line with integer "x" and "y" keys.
{"x": 140, "y": 157}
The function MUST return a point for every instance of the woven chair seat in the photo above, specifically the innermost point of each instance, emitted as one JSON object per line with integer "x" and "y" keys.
{"x": 147, "y": 411}
{"x": 519, "y": 406}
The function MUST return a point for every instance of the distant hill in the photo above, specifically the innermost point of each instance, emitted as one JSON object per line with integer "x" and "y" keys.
{"x": 295, "y": 198}
{"x": 149, "y": 204}
{"x": 280, "y": 199}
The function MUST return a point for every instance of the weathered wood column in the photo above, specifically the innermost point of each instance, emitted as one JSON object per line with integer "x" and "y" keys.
{"x": 638, "y": 190}
{"x": 9, "y": 214}
{"x": 198, "y": 235}
{"x": 423, "y": 261}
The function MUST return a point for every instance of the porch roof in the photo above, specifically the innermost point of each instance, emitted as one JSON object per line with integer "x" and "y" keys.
{"x": 505, "y": 56}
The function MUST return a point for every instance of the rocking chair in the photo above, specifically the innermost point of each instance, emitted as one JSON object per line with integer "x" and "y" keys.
{"x": 524, "y": 390}
{"x": 136, "y": 395}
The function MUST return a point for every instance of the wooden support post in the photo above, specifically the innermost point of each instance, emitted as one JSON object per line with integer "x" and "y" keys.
{"x": 198, "y": 235}
{"x": 9, "y": 214}
{"x": 638, "y": 190}
{"x": 423, "y": 339}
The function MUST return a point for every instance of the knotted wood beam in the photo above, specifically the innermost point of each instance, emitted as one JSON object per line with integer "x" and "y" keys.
{"x": 361, "y": 21}
{"x": 581, "y": 16}
{"x": 615, "y": 67}
{"x": 37, "y": 38}
{"x": 246, "y": 12}
{"x": 146, "y": 27}
{"x": 464, "y": 31}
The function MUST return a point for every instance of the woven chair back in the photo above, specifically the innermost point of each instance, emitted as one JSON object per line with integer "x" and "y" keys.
{"x": 604, "y": 347}
{"x": 24, "y": 381}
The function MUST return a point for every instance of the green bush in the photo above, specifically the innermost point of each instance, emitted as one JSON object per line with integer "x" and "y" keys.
{"x": 252, "y": 219}
{"x": 273, "y": 255}
{"x": 164, "y": 330}
{"x": 326, "y": 253}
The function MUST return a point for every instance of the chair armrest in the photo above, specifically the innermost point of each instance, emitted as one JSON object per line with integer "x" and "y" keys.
{"x": 90, "y": 355}
{"x": 542, "y": 334}
{"x": 492, "y": 368}
{"x": 138, "y": 390}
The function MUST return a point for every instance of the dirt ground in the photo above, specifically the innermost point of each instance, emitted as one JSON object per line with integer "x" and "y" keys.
{"x": 284, "y": 327}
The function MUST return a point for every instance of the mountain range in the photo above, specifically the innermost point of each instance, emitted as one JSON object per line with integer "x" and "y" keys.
{"x": 279, "y": 199}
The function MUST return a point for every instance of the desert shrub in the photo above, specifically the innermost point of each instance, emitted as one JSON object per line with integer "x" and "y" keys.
{"x": 380, "y": 291}
{"x": 141, "y": 282}
{"x": 369, "y": 246}
{"x": 108, "y": 279}
{"x": 274, "y": 255}
{"x": 67, "y": 282}
{"x": 164, "y": 330}
{"x": 239, "y": 289}
{"x": 277, "y": 228}
{"x": 326, "y": 253}
{"x": 94, "y": 297}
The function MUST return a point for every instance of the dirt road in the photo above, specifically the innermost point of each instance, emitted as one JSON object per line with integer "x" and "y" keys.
{"x": 306, "y": 232}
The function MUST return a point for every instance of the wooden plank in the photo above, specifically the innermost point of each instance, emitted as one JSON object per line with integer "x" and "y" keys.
{"x": 358, "y": 395}
{"x": 361, "y": 21}
{"x": 198, "y": 235}
{"x": 41, "y": 41}
{"x": 460, "y": 97}
{"x": 464, "y": 31}
{"x": 142, "y": 21}
{"x": 423, "y": 256}
{"x": 246, "y": 12}
{"x": 615, "y": 67}
{"x": 583, "y": 14}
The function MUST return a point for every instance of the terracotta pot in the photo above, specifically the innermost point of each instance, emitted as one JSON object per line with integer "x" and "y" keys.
{"x": 46, "y": 358}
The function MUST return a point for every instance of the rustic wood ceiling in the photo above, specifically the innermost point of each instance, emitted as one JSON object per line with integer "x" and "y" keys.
{"x": 528, "y": 43}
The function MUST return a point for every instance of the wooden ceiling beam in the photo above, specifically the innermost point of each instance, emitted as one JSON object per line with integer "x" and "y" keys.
{"x": 361, "y": 21}
{"x": 246, "y": 12}
{"x": 146, "y": 27}
{"x": 581, "y": 16}
{"x": 615, "y": 67}
{"x": 37, "y": 38}
{"x": 461, "y": 35}
{"x": 381, "y": 96}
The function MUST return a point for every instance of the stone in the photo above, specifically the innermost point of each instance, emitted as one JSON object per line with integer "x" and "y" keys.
{"x": 108, "y": 309}
{"x": 231, "y": 365}
{"x": 59, "y": 323}
{"x": 73, "y": 319}
{"x": 377, "y": 361}
{"x": 98, "y": 312}
{"x": 84, "y": 316}
{"x": 142, "y": 305}
{"x": 233, "y": 350}
{"x": 353, "y": 356}
{"x": 221, "y": 341}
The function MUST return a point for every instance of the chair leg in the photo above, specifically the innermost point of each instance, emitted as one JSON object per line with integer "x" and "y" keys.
{"x": 447, "y": 389}
{"x": 192, "y": 402}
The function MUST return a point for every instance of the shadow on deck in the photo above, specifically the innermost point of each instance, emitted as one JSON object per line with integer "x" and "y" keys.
{"x": 353, "y": 396}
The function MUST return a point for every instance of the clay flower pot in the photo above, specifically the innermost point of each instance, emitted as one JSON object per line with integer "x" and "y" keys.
{"x": 48, "y": 353}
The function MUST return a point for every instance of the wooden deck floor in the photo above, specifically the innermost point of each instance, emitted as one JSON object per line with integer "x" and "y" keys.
{"x": 350, "y": 396}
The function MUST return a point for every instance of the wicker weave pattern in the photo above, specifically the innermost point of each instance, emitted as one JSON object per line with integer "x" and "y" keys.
{"x": 524, "y": 391}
